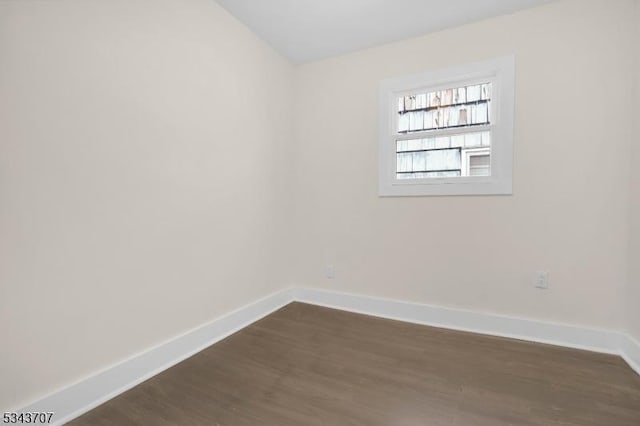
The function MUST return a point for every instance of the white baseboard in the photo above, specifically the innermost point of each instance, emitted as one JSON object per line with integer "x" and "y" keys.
{"x": 86, "y": 394}
{"x": 630, "y": 352}
{"x": 81, "y": 397}
{"x": 591, "y": 339}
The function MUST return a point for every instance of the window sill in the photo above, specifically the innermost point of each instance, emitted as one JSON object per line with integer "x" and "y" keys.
{"x": 447, "y": 187}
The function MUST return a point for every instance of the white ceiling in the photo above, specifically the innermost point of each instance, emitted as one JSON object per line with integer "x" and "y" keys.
{"x": 308, "y": 30}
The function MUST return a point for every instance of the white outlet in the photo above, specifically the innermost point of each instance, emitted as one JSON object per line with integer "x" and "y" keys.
{"x": 330, "y": 272}
{"x": 541, "y": 280}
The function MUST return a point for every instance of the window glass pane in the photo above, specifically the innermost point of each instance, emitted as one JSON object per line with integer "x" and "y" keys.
{"x": 486, "y": 138}
{"x": 403, "y": 123}
{"x": 457, "y": 141}
{"x": 442, "y": 109}
{"x": 430, "y": 143}
{"x": 414, "y": 144}
{"x": 473, "y": 93}
{"x": 444, "y": 174}
{"x": 416, "y": 120}
{"x": 443, "y": 160}
{"x": 472, "y": 140}
{"x": 443, "y": 156}
{"x": 443, "y": 142}
{"x": 409, "y": 103}
{"x": 404, "y": 162}
{"x": 486, "y": 91}
{"x": 482, "y": 113}
{"x": 415, "y": 159}
{"x": 419, "y": 161}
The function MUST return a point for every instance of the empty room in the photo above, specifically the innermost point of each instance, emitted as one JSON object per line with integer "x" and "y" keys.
{"x": 320, "y": 212}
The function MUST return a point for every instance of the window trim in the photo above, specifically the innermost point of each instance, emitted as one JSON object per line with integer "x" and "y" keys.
{"x": 501, "y": 73}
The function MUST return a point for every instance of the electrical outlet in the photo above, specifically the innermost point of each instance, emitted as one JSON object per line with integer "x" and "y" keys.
{"x": 541, "y": 280}
{"x": 330, "y": 272}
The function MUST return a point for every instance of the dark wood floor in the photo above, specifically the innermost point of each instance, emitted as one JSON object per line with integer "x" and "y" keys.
{"x": 307, "y": 365}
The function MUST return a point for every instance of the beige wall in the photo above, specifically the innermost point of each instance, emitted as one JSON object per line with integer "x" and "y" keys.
{"x": 633, "y": 299}
{"x": 569, "y": 210}
{"x": 134, "y": 205}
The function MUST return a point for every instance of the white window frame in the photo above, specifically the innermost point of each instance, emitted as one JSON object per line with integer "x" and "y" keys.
{"x": 500, "y": 73}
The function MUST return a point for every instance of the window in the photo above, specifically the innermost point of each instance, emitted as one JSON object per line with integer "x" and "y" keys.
{"x": 448, "y": 132}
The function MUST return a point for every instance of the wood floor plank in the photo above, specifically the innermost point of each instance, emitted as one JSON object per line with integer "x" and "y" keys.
{"x": 309, "y": 365}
